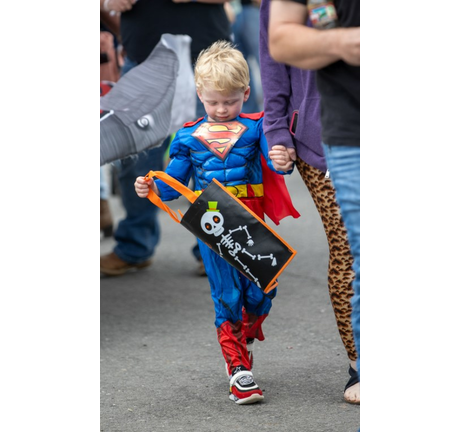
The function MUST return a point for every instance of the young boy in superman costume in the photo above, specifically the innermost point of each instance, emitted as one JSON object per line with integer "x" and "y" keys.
{"x": 227, "y": 145}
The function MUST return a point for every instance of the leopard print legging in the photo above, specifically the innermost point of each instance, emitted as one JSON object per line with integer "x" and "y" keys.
{"x": 340, "y": 273}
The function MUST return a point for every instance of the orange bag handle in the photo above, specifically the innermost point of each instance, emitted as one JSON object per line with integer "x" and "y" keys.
{"x": 176, "y": 185}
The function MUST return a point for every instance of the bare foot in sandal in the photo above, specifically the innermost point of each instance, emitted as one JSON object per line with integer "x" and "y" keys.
{"x": 352, "y": 390}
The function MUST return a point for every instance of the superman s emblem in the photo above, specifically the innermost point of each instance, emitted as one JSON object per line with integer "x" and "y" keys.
{"x": 219, "y": 138}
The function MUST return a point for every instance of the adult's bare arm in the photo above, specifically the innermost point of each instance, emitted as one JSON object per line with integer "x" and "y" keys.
{"x": 293, "y": 43}
{"x": 201, "y": 1}
{"x": 117, "y": 5}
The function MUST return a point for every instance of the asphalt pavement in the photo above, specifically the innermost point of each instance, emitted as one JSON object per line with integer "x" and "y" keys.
{"x": 161, "y": 365}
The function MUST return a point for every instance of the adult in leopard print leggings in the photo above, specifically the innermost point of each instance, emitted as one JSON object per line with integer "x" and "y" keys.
{"x": 292, "y": 120}
{"x": 340, "y": 273}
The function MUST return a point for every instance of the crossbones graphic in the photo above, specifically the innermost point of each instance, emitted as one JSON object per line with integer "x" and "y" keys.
{"x": 212, "y": 223}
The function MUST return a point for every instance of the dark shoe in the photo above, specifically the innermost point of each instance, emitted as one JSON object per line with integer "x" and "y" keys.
{"x": 354, "y": 379}
{"x": 243, "y": 390}
{"x": 201, "y": 269}
{"x": 112, "y": 265}
{"x": 106, "y": 222}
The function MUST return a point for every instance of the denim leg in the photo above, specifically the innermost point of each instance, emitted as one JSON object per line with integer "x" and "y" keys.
{"x": 103, "y": 186}
{"x": 251, "y": 105}
{"x": 344, "y": 165}
{"x": 250, "y": 30}
{"x": 246, "y": 38}
{"x": 127, "y": 65}
{"x": 196, "y": 252}
{"x": 138, "y": 233}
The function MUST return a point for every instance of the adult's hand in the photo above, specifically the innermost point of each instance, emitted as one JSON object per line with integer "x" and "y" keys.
{"x": 349, "y": 45}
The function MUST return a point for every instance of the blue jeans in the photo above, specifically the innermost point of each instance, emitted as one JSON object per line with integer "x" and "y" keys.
{"x": 139, "y": 233}
{"x": 246, "y": 38}
{"x": 103, "y": 186}
{"x": 344, "y": 165}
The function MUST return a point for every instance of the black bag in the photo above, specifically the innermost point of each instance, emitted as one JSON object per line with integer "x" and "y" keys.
{"x": 231, "y": 230}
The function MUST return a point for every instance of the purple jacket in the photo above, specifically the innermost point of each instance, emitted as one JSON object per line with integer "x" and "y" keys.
{"x": 286, "y": 89}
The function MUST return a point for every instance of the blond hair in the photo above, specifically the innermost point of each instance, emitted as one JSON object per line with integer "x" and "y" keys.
{"x": 223, "y": 68}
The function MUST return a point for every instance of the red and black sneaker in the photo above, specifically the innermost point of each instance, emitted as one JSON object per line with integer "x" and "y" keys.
{"x": 243, "y": 390}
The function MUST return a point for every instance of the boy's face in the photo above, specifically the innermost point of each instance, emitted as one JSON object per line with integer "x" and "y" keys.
{"x": 223, "y": 107}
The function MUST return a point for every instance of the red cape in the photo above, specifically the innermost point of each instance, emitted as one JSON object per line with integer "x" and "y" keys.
{"x": 277, "y": 200}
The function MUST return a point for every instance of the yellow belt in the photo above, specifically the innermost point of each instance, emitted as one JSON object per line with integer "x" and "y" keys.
{"x": 241, "y": 191}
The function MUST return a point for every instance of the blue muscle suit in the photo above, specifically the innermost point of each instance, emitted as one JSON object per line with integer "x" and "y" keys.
{"x": 240, "y": 305}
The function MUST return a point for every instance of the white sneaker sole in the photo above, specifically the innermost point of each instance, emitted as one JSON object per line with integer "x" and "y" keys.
{"x": 249, "y": 400}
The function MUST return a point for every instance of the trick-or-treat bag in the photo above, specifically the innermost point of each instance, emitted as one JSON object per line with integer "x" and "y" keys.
{"x": 231, "y": 230}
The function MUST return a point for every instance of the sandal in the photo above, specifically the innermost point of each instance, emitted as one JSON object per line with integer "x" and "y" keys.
{"x": 354, "y": 379}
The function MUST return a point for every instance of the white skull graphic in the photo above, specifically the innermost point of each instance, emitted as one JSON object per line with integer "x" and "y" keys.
{"x": 212, "y": 223}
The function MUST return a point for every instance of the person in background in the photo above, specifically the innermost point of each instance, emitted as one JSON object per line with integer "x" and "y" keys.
{"x": 292, "y": 119}
{"x": 109, "y": 71}
{"x": 335, "y": 55}
{"x": 245, "y": 30}
{"x": 142, "y": 23}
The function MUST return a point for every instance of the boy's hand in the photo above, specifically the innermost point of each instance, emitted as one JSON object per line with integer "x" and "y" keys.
{"x": 282, "y": 158}
{"x": 142, "y": 186}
